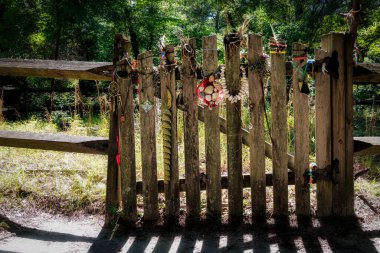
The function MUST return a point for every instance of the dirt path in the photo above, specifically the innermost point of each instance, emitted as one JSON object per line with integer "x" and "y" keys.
{"x": 41, "y": 232}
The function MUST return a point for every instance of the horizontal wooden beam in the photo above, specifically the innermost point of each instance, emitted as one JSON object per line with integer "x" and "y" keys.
{"x": 57, "y": 69}
{"x": 363, "y": 72}
{"x": 369, "y": 145}
{"x": 54, "y": 142}
{"x": 367, "y": 73}
{"x": 224, "y": 181}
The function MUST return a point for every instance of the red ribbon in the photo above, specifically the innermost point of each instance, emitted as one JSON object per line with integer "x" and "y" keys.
{"x": 118, "y": 151}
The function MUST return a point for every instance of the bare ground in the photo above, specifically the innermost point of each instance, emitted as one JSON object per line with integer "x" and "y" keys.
{"x": 35, "y": 231}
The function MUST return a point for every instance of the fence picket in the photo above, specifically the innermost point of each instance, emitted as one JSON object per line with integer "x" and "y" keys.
{"x": 127, "y": 137}
{"x": 301, "y": 128}
{"x": 323, "y": 132}
{"x": 279, "y": 134}
{"x": 190, "y": 119}
{"x": 257, "y": 148}
{"x": 234, "y": 141}
{"x": 169, "y": 132}
{"x": 212, "y": 134}
{"x": 148, "y": 136}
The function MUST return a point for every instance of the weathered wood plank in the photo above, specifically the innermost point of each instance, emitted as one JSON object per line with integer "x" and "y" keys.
{"x": 257, "y": 146}
{"x": 338, "y": 101}
{"x": 301, "y": 130}
{"x": 169, "y": 132}
{"x": 349, "y": 118}
{"x": 366, "y": 73}
{"x": 57, "y": 69}
{"x": 279, "y": 134}
{"x": 323, "y": 131}
{"x": 148, "y": 136}
{"x": 54, "y": 142}
{"x": 234, "y": 140}
{"x": 127, "y": 136}
{"x": 112, "y": 185}
{"x": 212, "y": 133}
{"x": 223, "y": 182}
{"x": 190, "y": 122}
{"x": 369, "y": 145}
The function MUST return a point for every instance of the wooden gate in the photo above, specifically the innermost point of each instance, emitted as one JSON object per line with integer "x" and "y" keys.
{"x": 332, "y": 71}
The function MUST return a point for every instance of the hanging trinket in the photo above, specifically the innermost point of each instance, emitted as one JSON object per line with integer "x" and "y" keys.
{"x": 147, "y": 105}
{"x": 277, "y": 46}
{"x": 243, "y": 90}
{"x": 210, "y": 92}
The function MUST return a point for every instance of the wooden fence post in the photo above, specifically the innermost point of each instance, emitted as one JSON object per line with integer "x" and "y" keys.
{"x": 323, "y": 131}
{"x": 339, "y": 47}
{"x": 190, "y": 119}
{"x": 234, "y": 142}
{"x": 126, "y": 132}
{"x": 349, "y": 177}
{"x": 279, "y": 134}
{"x": 112, "y": 202}
{"x": 212, "y": 134}
{"x": 148, "y": 137}
{"x": 169, "y": 132}
{"x": 301, "y": 127}
{"x": 257, "y": 147}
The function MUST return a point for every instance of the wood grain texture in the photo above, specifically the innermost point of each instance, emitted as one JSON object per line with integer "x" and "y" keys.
{"x": 112, "y": 198}
{"x": 279, "y": 135}
{"x": 169, "y": 108}
{"x": 301, "y": 133}
{"x": 54, "y": 142}
{"x": 127, "y": 138}
{"x": 349, "y": 177}
{"x": 234, "y": 140}
{"x": 323, "y": 132}
{"x": 257, "y": 146}
{"x": 190, "y": 122}
{"x": 338, "y": 102}
{"x": 148, "y": 137}
{"x": 212, "y": 133}
{"x": 57, "y": 69}
{"x": 369, "y": 145}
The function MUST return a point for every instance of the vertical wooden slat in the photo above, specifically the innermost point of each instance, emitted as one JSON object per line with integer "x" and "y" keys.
{"x": 169, "y": 132}
{"x": 148, "y": 136}
{"x": 301, "y": 131}
{"x": 279, "y": 134}
{"x": 323, "y": 132}
{"x": 212, "y": 135}
{"x": 190, "y": 119}
{"x": 234, "y": 142}
{"x": 257, "y": 147}
{"x": 349, "y": 179}
{"x": 338, "y": 101}
{"x": 112, "y": 203}
{"x": 127, "y": 135}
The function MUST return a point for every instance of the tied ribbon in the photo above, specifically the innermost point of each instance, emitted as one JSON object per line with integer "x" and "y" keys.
{"x": 311, "y": 173}
{"x": 118, "y": 151}
{"x": 277, "y": 48}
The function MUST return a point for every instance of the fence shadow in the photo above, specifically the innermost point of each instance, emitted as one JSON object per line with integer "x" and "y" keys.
{"x": 273, "y": 235}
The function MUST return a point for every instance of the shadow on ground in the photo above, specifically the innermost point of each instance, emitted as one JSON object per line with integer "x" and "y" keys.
{"x": 275, "y": 235}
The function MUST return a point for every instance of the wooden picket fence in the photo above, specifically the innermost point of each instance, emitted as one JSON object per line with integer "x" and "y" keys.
{"x": 334, "y": 140}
